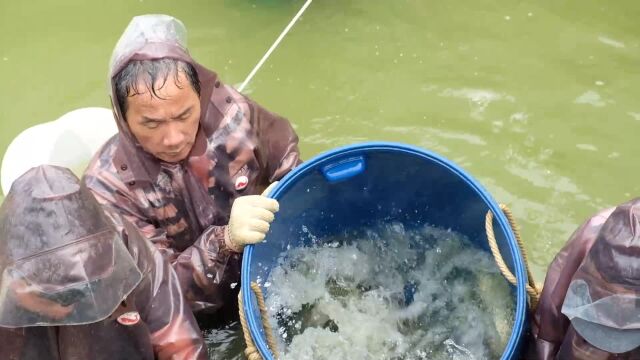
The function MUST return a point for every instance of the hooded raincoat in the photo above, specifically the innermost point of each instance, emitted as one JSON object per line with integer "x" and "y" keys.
{"x": 183, "y": 208}
{"x": 589, "y": 305}
{"x": 73, "y": 288}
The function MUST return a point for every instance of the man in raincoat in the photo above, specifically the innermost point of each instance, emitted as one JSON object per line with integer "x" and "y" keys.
{"x": 188, "y": 162}
{"x": 590, "y": 304}
{"x": 73, "y": 288}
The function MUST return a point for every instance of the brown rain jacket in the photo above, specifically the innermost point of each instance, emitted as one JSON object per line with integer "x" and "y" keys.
{"x": 56, "y": 242}
{"x": 183, "y": 208}
{"x": 596, "y": 256}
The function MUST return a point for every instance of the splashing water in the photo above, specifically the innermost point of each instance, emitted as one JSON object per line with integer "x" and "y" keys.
{"x": 390, "y": 293}
{"x": 225, "y": 343}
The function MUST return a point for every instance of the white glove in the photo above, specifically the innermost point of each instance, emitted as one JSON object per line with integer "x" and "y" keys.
{"x": 250, "y": 218}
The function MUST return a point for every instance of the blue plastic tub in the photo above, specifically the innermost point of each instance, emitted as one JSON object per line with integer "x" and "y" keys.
{"x": 360, "y": 185}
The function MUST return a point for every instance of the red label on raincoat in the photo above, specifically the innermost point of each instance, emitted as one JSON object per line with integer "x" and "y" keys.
{"x": 129, "y": 318}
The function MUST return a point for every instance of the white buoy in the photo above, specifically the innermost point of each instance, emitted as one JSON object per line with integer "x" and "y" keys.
{"x": 69, "y": 141}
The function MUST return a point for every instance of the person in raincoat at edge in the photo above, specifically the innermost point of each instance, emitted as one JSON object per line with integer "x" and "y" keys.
{"x": 73, "y": 288}
{"x": 189, "y": 161}
{"x": 590, "y": 304}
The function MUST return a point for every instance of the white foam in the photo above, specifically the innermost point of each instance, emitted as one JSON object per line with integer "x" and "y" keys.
{"x": 389, "y": 293}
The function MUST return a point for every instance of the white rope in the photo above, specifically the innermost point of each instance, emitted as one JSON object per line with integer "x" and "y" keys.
{"x": 275, "y": 45}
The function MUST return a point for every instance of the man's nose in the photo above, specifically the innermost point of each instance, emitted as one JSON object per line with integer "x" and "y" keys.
{"x": 174, "y": 137}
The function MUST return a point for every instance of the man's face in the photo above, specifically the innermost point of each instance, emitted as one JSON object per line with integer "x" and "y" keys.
{"x": 165, "y": 125}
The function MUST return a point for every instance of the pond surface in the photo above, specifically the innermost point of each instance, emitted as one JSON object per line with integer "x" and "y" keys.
{"x": 539, "y": 101}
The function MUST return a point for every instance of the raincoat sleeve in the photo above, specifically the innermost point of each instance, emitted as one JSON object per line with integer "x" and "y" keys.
{"x": 206, "y": 270}
{"x": 175, "y": 334}
{"x": 550, "y": 325}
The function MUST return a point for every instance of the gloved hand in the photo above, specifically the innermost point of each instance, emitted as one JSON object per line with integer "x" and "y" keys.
{"x": 250, "y": 218}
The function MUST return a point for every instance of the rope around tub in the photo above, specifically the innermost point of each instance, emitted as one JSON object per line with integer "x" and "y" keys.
{"x": 251, "y": 351}
{"x": 533, "y": 289}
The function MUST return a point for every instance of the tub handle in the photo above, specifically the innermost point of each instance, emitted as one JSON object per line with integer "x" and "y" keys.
{"x": 344, "y": 169}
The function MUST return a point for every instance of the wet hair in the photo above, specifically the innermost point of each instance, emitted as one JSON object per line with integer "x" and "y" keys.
{"x": 147, "y": 73}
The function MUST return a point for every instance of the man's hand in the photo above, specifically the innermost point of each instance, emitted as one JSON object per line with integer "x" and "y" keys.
{"x": 250, "y": 218}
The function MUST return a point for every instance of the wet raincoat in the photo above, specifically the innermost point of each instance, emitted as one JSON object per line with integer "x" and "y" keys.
{"x": 589, "y": 305}
{"x": 183, "y": 208}
{"x": 73, "y": 288}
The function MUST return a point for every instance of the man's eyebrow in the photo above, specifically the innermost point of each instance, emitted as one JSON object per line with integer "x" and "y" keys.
{"x": 184, "y": 112}
{"x": 148, "y": 119}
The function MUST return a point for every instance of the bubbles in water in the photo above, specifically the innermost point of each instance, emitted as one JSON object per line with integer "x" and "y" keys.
{"x": 456, "y": 351}
{"x": 225, "y": 343}
{"x": 390, "y": 293}
{"x": 592, "y": 98}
